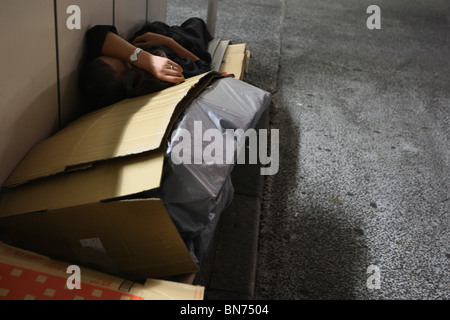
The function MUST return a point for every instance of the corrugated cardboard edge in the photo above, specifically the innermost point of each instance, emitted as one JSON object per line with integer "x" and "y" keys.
{"x": 36, "y": 159}
{"x": 104, "y": 181}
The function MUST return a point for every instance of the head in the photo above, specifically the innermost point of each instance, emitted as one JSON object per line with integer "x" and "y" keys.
{"x": 104, "y": 82}
{"x": 108, "y": 80}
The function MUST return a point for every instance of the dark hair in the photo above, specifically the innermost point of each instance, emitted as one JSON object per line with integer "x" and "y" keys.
{"x": 100, "y": 85}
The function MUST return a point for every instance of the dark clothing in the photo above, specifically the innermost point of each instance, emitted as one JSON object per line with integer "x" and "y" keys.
{"x": 95, "y": 38}
{"x": 99, "y": 83}
{"x": 192, "y": 35}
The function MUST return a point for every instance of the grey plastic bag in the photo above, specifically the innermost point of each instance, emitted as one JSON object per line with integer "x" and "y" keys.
{"x": 196, "y": 192}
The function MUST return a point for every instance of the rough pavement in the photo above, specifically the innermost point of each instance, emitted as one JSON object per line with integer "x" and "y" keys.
{"x": 363, "y": 117}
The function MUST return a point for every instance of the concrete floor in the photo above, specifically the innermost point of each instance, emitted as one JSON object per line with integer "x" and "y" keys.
{"x": 363, "y": 118}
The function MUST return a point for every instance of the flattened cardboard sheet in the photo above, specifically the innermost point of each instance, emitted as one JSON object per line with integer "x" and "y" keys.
{"x": 128, "y": 127}
{"x": 70, "y": 198}
{"x": 103, "y": 181}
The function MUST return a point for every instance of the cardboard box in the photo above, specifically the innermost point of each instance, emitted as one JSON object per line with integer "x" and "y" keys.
{"x": 217, "y": 49}
{"x": 236, "y": 61}
{"x": 89, "y": 194}
{"x": 25, "y": 275}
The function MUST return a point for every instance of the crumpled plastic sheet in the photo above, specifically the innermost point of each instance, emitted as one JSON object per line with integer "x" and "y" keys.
{"x": 195, "y": 195}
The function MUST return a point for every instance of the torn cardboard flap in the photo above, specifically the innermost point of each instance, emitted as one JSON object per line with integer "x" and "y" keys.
{"x": 128, "y": 127}
{"x": 217, "y": 49}
{"x": 27, "y": 275}
{"x": 103, "y": 181}
{"x": 107, "y": 216}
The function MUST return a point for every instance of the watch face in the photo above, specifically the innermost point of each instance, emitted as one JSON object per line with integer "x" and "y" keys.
{"x": 134, "y": 56}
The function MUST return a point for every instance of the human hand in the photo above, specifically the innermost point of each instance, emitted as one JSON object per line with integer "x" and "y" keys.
{"x": 150, "y": 39}
{"x": 162, "y": 68}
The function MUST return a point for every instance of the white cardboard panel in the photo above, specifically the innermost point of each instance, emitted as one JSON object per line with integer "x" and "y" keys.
{"x": 71, "y": 49}
{"x": 129, "y": 16}
{"x": 29, "y": 90}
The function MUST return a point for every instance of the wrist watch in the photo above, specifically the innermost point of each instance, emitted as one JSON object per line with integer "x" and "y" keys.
{"x": 134, "y": 56}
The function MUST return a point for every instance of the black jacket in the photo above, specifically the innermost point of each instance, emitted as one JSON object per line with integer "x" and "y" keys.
{"x": 192, "y": 35}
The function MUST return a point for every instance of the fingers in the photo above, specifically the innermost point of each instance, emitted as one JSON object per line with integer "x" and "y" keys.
{"x": 162, "y": 68}
{"x": 172, "y": 72}
{"x": 140, "y": 39}
{"x": 143, "y": 41}
{"x": 173, "y": 79}
{"x": 174, "y": 66}
{"x": 150, "y": 39}
{"x": 173, "y": 76}
{"x": 142, "y": 44}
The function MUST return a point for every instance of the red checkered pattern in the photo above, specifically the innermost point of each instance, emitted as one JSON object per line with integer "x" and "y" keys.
{"x": 24, "y": 284}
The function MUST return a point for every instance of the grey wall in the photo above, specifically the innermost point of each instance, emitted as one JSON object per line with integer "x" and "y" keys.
{"x": 40, "y": 59}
